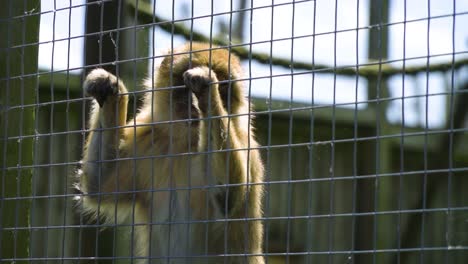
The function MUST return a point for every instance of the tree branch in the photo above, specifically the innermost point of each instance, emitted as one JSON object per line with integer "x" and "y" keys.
{"x": 371, "y": 69}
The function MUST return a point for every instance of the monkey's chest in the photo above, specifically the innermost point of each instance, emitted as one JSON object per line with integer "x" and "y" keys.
{"x": 185, "y": 210}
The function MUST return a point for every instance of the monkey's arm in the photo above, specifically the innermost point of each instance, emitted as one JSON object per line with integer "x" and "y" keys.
{"x": 108, "y": 116}
{"x": 239, "y": 166}
{"x": 218, "y": 132}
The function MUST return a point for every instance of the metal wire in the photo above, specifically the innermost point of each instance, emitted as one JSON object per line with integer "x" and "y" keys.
{"x": 343, "y": 183}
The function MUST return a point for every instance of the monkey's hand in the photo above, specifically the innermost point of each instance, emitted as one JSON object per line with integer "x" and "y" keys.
{"x": 101, "y": 85}
{"x": 198, "y": 79}
{"x": 202, "y": 81}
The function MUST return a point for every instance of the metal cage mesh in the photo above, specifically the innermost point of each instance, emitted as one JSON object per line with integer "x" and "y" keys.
{"x": 359, "y": 106}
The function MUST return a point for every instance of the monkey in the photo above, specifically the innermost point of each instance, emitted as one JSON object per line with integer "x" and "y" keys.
{"x": 186, "y": 170}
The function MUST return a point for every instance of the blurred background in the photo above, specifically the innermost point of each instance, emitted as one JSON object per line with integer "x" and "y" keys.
{"x": 361, "y": 111}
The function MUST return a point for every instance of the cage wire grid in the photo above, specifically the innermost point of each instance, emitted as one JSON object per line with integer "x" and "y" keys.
{"x": 342, "y": 182}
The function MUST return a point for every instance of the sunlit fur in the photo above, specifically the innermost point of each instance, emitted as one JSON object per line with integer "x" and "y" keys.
{"x": 186, "y": 171}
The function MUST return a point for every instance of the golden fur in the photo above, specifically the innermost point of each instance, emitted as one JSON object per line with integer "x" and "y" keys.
{"x": 183, "y": 168}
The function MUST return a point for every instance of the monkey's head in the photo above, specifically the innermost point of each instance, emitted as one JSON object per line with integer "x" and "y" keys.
{"x": 223, "y": 63}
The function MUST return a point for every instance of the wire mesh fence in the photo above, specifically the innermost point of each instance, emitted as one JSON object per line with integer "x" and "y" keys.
{"x": 359, "y": 109}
